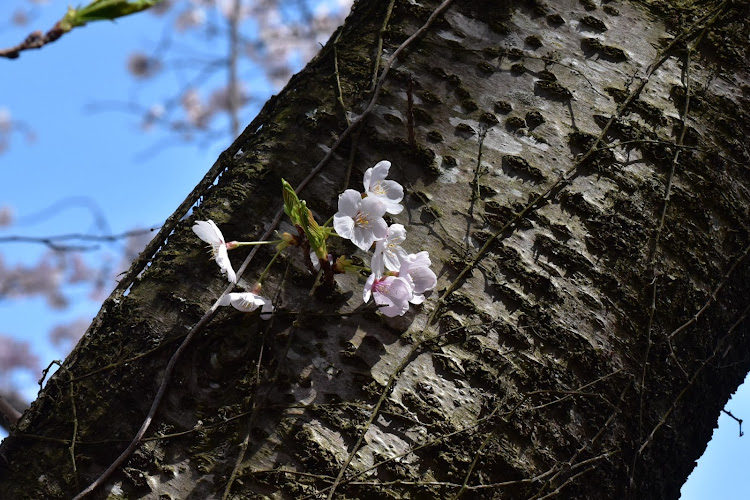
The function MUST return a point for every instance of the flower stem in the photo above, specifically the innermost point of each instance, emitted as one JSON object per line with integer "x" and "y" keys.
{"x": 268, "y": 267}
{"x": 252, "y": 243}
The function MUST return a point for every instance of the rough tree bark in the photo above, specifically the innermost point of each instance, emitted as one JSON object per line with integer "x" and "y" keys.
{"x": 579, "y": 175}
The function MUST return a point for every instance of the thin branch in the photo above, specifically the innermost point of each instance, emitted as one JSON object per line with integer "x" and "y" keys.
{"x": 97, "y": 10}
{"x": 698, "y": 371}
{"x": 713, "y": 295}
{"x": 52, "y": 241}
{"x": 373, "y": 86}
{"x": 35, "y": 40}
{"x": 568, "y": 175}
{"x": 739, "y": 420}
{"x": 72, "y": 448}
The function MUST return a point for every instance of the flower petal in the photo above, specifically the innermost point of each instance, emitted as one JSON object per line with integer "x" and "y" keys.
{"x": 349, "y": 202}
{"x": 343, "y": 225}
{"x": 392, "y": 258}
{"x": 376, "y": 173}
{"x": 368, "y": 288}
{"x": 417, "y": 299}
{"x": 373, "y": 206}
{"x": 423, "y": 279}
{"x": 222, "y": 259}
{"x": 379, "y": 228}
{"x": 208, "y": 232}
{"x": 246, "y": 301}
{"x": 421, "y": 259}
{"x": 393, "y": 295}
{"x": 363, "y": 237}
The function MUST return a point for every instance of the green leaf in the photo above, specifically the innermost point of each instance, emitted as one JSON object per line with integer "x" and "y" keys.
{"x": 291, "y": 203}
{"x": 102, "y": 10}
{"x": 301, "y": 216}
{"x": 316, "y": 235}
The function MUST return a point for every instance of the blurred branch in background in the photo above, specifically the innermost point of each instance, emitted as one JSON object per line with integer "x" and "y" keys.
{"x": 199, "y": 79}
{"x": 9, "y": 410}
{"x": 53, "y": 242}
{"x": 8, "y": 126}
{"x": 98, "y": 10}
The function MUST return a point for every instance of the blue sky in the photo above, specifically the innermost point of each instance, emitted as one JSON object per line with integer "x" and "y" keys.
{"x": 138, "y": 178}
{"x": 79, "y": 153}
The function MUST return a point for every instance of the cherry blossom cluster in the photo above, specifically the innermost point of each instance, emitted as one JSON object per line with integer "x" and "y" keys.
{"x": 397, "y": 278}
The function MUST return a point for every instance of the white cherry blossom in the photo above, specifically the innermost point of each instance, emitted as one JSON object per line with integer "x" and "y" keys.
{"x": 360, "y": 220}
{"x": 248, "y": 302}
{"x": 388, "y": 251}
{"x": 208, "y": 232}
{"x": 391, "y": 293}
{"x": 390, "y": 193}
{"x": 415, "y": 268}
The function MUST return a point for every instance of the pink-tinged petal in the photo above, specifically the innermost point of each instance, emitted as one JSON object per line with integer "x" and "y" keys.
{"x": 423, "y": 279}
{"x": 344, "y": 226}
{"x": 417, "y": 299}
{"x": 404, "y": 267}
{"x": 393, "y": 295}
{"x": 222, "y": 259}
{"x": 421, "y": 259}
{"x": 349, "y": 202}
{"x": 387, "y": 307}
{"x": 390, "y": 308}
{"x": 400, "y": 289}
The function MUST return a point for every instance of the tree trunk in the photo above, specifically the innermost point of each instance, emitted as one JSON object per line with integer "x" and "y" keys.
{"x": 580, "y": 177}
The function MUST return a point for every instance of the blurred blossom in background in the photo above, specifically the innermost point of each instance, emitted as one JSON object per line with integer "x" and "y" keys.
{"x": 105, "y": 131}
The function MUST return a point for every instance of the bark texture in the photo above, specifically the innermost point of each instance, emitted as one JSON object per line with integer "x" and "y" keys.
{"x": 580, "y": 177}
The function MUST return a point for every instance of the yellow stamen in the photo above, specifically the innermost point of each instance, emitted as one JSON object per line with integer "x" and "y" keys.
{"x": 362, "y": 219}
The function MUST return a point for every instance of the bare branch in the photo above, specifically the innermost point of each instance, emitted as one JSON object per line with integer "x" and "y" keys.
{"x": 52, "y": 241}
{"x": 35, "y": 40}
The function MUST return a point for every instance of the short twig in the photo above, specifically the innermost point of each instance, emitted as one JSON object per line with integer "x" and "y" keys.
{"x": 35, "y": 40}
